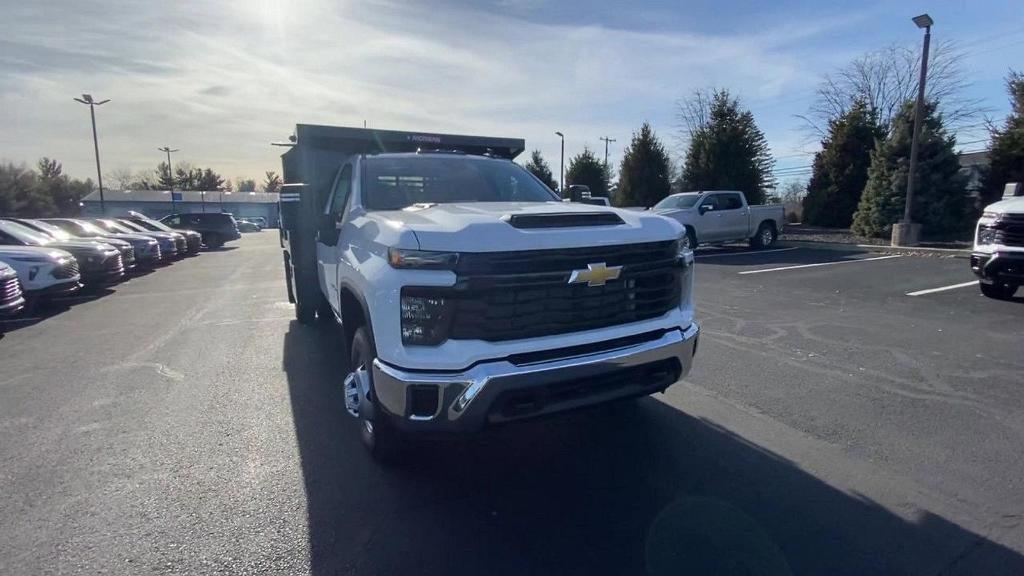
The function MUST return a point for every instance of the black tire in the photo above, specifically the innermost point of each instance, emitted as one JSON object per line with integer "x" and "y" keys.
{"x": 999, "y": 290}
{"x": 378, "y": 435}
{"x": 304, "y": 313}
{"x": 690, "y": 239}
{"x": 214, "y": 241}
{"x": 764, "y": 237}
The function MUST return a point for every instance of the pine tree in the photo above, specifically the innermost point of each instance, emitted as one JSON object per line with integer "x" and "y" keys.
{"x": 841, "y": 168}
{"x": 645, "y": 172}
{"x": 539, "y": 167}
{"x": 586, "y": 169}
{"x": 1007, "y": 153}
{"x": 940, "y": 197}
{"x": 729, "y": 152}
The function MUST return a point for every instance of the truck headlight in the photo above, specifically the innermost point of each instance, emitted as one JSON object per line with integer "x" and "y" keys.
{"x": 422, "y": 259}
{"x": 425, "y": 319}
{"x": 986, "y": 235}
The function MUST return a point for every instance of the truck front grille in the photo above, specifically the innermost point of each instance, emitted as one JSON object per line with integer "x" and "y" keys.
{"x": 1008, "y": 230}
{"x": 514, "y": 295}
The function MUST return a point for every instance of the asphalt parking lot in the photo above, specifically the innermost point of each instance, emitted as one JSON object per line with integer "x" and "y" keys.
{"x": 183, "y": 422}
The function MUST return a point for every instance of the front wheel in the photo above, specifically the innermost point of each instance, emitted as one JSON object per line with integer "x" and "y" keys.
{"x": 689, "y": 240}
{"x": 999, "y": 290}
{"x": 378, "y": 435}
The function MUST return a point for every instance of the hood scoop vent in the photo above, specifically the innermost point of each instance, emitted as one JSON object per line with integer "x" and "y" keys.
{"x": 563, "y": 220}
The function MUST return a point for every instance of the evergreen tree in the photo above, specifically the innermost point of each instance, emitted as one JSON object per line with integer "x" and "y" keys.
{"x": 539, "y": 168}
{"x": 940, "y": 198}
{"x": 841, "y": 168}
{"x": 586, "y": 169}
{"x": 645, "y": 172}
{"x": 729, "y": 152}
{"x": 1007, "y": 154}
{"x": 273, "y": 183}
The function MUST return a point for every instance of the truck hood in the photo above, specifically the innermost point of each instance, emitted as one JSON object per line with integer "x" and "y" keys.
{"x": 1008, "y": 206}
{"x": 484, "y": 226}
{"x": 52, "y": 254}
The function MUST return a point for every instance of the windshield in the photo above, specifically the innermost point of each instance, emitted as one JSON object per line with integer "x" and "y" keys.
{"x": 114, "y": 226}
{"x": 24, "y": 234}
{"x": 52, "y": 230}
{"x": 678, "y": 201}
{"x": 392, "y": 183}
{"x": 149, "y": 224}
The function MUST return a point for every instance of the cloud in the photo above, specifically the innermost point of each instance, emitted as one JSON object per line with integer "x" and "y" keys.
{"x": 221, "y": 81}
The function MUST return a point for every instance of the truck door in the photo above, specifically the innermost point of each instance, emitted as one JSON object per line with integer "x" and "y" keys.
{"x": 328, "y": 249}
{"x": 733, "y": 219}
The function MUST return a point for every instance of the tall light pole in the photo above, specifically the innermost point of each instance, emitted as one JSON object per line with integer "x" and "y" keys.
{"x": 87, "y": 99}
{"x": 170, "y": 176}
{"x": 561, "y": 167}
{"x": 606, "y": 141}
{"x": 907, "y": 235}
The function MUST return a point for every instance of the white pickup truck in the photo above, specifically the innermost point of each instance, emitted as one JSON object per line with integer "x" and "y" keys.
{"x": 719, "y": 216}
{"x": 998, "y": 255}
{"x": 468, "y": 293}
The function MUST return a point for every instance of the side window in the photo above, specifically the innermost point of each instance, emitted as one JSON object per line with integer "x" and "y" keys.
{"x": 342, "y": 188}
{"x": 174, "y": 221}
{"x": 6, "y": 240}
{"x": 714, "y": 200}
{"x": 730, "y": 202}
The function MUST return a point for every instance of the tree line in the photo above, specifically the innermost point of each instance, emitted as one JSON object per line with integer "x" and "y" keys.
{"x": 40, "y": 192}
{"x": 864, "y": 116}
{"x": 726, "y": 151}
{"x": 185, "y": 176}
{"x": 45, "y": 190}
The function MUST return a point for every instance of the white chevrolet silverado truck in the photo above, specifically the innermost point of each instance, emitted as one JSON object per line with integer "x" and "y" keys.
{"x": 468, "y": 293}
{"x": 719, "y": 216}
{"x": 998, "y": 255}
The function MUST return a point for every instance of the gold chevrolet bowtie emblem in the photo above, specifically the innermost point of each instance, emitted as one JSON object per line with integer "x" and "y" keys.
{"x": 595, "y": 274}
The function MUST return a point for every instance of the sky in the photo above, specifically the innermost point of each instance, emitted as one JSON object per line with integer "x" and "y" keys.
{"x": 221, "y": 80}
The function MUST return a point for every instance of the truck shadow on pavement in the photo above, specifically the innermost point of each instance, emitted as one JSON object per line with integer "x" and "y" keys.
{"x": 634, "y": 487}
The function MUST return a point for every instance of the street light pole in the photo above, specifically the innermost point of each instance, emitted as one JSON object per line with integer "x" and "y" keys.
{"x": 87, "y": 99}
{"x": 561, "y": 167}
{"x": 170, "y": 176}
{"x": 907, "y": 235}
{"x": 606, "y": 141}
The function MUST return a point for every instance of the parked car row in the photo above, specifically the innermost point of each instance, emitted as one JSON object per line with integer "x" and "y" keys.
{"x": 47, "y": 258}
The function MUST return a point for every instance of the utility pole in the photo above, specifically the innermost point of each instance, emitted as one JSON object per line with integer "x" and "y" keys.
{"x": 170, "y": 175}
{"x": 907, "y": 236}
{"x": 561, "y": 167}
{"x": 606, "y": 141}
{"x": 87, "y": 99}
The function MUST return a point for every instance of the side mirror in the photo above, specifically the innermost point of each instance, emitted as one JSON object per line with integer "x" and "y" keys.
{"x": 706, "y": 208}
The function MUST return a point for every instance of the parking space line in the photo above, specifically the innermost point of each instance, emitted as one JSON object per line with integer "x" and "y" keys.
{"x": 819, "y": 264}
{"x": 745, "y": 253}
{"x": 942, "y": 289}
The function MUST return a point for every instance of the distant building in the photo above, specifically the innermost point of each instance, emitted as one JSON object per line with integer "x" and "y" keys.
{"x": 973, "y": 166}
{"x": 157, "y": 203}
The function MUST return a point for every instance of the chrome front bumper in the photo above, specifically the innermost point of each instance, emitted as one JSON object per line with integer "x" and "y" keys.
{"x": 513, "y": 389}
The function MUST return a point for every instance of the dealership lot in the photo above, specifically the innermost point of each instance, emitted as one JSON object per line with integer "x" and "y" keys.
{"x": 184, "y": 422}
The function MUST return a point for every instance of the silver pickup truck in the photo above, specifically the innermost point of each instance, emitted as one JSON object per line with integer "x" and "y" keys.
{"x": 719, "y": 216}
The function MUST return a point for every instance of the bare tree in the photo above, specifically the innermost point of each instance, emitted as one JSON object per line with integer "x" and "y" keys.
{"x": 693, "y": 112}
{"x": 886, "y": 79}
{"x": 122, "y": 178}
